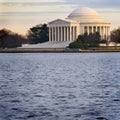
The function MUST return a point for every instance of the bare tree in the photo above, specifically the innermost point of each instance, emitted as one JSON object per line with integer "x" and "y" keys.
{"x": 115, "y": 35}
{"x": 9, "y": 39}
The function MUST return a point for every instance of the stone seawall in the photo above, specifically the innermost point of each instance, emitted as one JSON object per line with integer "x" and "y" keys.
{"x": 58, "y": 50}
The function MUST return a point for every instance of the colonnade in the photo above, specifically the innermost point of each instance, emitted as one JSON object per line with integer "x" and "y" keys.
{"x": 69, "y": 33}
{"x": 62, "y": 33}
{"x": 103, "y": 30}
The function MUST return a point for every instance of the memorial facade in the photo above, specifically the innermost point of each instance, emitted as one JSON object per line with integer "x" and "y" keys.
{"x": 80, "y": 21}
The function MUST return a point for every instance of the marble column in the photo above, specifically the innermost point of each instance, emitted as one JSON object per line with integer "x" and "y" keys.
{"x": 67, "y": 33}
{"x": 105, "y": 32}
{"x": 55, "y": 33}
{"x": 70, "y": 34}
{"x": 61, "y": 34}
{"x": 52, "y": 35}
{"x": 58, "y": 34}
{"x": 101, "y": 32}
{"x": 75, "y": 32}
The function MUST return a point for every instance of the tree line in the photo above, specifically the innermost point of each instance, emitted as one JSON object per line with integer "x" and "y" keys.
{"x": 9, "y": 39}
{"x": 40, "y": 34}
{"x": 36, "y": 34}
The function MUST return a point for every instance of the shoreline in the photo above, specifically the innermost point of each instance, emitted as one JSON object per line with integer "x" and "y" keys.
{"x": 55, "y": 50}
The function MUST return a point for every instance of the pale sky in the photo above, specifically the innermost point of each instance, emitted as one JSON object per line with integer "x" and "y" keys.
{"x": 20, "y": 15}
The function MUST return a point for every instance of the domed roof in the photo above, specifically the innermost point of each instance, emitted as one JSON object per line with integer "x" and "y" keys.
{"x": 85, "y": 14}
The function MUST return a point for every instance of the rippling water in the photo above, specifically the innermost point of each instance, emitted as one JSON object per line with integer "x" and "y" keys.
{"x": 57, "y": 86}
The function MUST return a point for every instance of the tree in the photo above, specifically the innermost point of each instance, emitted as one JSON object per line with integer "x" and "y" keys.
{"x": 38, "y": 34}
{"x": 79, "y": 43}
{"x": 115, "y": 35}
{"x": 9, "y": 39}
{"x": 83, "y": 41}
{"x": 93, "y": 39}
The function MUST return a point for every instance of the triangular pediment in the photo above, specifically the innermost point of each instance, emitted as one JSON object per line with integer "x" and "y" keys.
{"x": 59, "y": 21}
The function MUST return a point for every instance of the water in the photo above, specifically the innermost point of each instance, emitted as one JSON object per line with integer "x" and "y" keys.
{"x": 60, "y": 86}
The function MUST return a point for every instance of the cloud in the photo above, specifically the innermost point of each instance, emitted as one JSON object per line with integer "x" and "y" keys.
{"x": 89, "y": 3}
{"x": 95, "y": 3}
{"x": 43, "y": 13}
{"x": 109, "y": 11}
{"x": 30, "y": 13}
{"x": 1, "y": 1}
{"x": 31, "y": 3}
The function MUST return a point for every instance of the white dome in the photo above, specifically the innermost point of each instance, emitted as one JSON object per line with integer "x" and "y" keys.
{"x": 85, "y": 14}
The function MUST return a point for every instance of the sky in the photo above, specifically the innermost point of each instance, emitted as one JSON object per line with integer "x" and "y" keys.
{"x": 20, "y": 15}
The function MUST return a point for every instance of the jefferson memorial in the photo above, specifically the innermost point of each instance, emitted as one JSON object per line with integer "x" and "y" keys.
{"x": 80, "y": 21}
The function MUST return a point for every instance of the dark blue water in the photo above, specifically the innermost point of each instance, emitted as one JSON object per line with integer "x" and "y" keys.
{"x": 74, "y": 86}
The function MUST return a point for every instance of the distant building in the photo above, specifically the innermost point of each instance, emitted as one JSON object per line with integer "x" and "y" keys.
{"x": 80, "y": 21}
